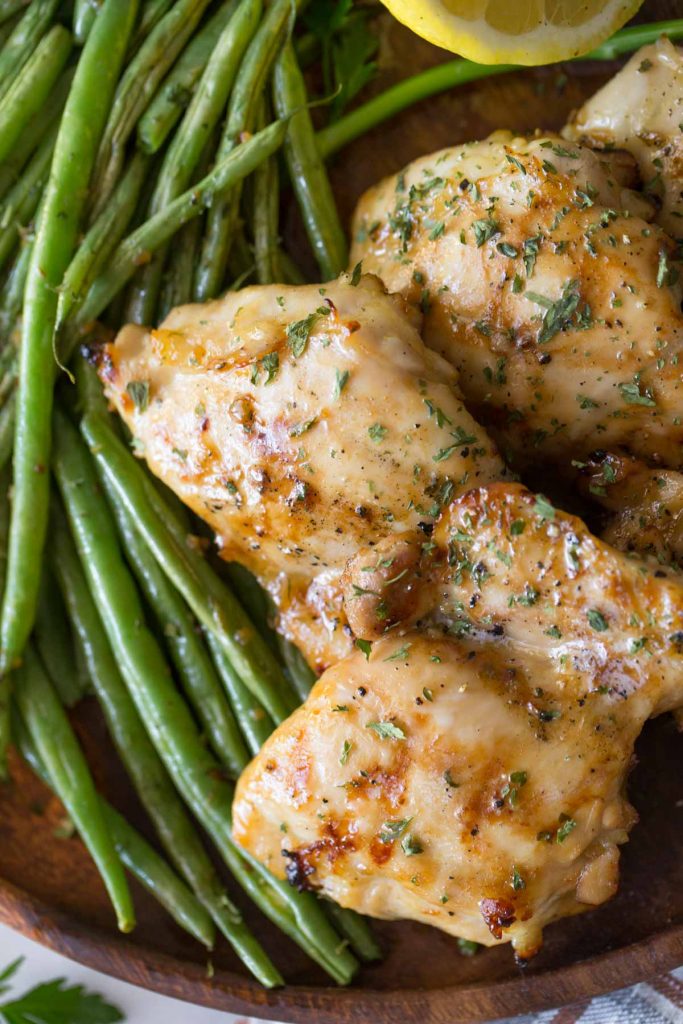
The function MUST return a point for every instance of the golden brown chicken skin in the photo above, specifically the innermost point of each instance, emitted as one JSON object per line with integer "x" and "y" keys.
{"x": 299, "y": 423}
{"x": 545, "y": 286}
{"x": 467, "y": 768}
{"x": 641, "y": 110}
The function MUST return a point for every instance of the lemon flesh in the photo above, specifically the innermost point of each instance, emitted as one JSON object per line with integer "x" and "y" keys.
{"x": 514, "y": 31}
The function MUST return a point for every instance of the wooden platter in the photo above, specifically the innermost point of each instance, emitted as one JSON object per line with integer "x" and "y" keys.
{"x": 50, "y": 891}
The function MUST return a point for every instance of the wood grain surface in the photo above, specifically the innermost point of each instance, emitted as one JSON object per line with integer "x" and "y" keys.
{"x": 50, "y": 891}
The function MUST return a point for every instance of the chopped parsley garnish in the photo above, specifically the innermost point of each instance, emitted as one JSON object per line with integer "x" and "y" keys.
{"x": 302, "y": 428}
{"x": 543, "y": 508}
{"x": 484, "y": 229}
{"x": 139, "y": 392}
{"x": 346, "y": 750}
{"x": 377, "y": 432}
{"x": 634, "y": 394}
{"x": 271, "y": 364}
{"x": 517, "y": 881}
{"x": 566, "y": 828}
{"x": 597, "y": 620}
{"x": 357, "y": 271}
{"x": 299, "y": 332}
{"x": 341, "y": 379}
{"x": 560, "y": 314}
{"x": 365, "y": 646}
{"x": 530, "y": 250}
{"x": 411, "y": 846}
{"x": 387, "y": 730}
{"x": 393, "y": 829}
{"x": 401, "y": 654}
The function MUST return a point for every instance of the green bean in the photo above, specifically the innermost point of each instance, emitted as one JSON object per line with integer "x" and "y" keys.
{"x": 143, "y": 666}
{"x": 191, "y": 659}
{"x": 85, "y": 12}
{"x": 244, "y": 102}
{"x": 255, "y": 722}
{"x": 458, "y": 72}
{"x": 176, "y": 90}
{"x": 44, "y": 121}
{"x": 12, "y": 295}
{"x": 22, "y": 201}
{"x": 287, "y": 270}
{"x": 24, "y": 40}
{"x": 306, "y": 169}
{"x": 7, "y": 418}
{"x": 5, "y": 690}
{"x": 102, "y": 238}
{"x": 151, "y": 14}
{"x": 176, "y": 287}
{"x": 134, "y": 746}
{"x": 10, "y": 8}
{"x": 79, "y": 131}
{"x": 188, "y": 143}
{"x": 266, "y": 217}
{"x": 154, "y": 232}
{"x": 178, "y": 275}
{"x": 136, "y": 854}
{"x": 152, "y": 871}
{"x": 299, "y": 671}
{"x": 195, "y": 772}
{"x": 356, "y": 930}
{"x": 208, "y": 596}
{"x": 32, "y": 87}
{"x": 54, "y": 641}
{"x": 137, "y": 86}
{"x": 58, "y": 748}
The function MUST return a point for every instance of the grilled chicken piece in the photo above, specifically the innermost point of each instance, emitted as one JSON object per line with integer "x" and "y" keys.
{"x": 644, "y": 506}
{"x": 556, "y": 301}
{"x": 299, "y": 423}
{"x": 641, "y": 110}
{"x": 467, "y": 768}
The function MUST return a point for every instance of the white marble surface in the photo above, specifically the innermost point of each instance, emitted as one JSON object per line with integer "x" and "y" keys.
{"x": 139, "y": 1006}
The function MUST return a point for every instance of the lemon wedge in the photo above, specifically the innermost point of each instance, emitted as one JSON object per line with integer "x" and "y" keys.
{"x": 514, "y": 31}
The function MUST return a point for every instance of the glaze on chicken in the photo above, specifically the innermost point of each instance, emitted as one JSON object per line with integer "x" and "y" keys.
{"x": 467, "y": 769}
{"x": 546, "y": 286}
{"x": 300, "y": 423}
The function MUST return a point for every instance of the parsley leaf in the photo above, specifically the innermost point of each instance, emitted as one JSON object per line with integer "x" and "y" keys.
{"x": 377, "y": 432}
{"x": 56, "y": 1003}
{"x": 271, "y": 364}
{"x": 365, "y": 646}
{"x": 139, "y": 392}
{"x": 560, "y": 314}
{"x": 299, "y": 331}
{"x": 543, "y": 508}
{"x": 393, "y": 829}
{"x": 568, "y": 825}
{"x": 597, "y": 620}
{"x": 484, "y": 229}
{"x": 387, "y": 730}
{"x": 341, "y": 379}
{"x": 632, "y": 394}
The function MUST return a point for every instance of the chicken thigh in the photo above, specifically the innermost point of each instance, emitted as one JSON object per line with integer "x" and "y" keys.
{"x": 300, "y": 423}
{"x": 466, "y": 767}
{"x": 641, "y": 110}
{"x": 545, "y": 286}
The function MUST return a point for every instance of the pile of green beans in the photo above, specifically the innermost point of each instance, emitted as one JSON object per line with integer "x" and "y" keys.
{"x": 144, "y": 146}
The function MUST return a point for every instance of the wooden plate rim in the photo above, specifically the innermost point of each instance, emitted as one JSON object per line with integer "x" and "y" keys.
{"x": 118, "y": 957}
